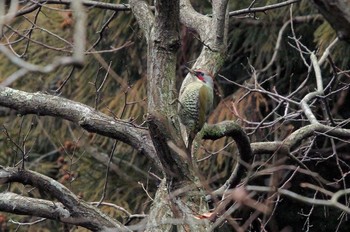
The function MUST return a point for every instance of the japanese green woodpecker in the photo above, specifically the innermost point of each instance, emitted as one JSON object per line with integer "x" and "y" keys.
{"x": 195, "y": 103}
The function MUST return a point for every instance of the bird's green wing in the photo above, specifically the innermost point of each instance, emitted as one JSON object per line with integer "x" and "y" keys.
{"x": 205, "y": 102}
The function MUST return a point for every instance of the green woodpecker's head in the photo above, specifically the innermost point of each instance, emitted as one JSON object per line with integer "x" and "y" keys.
{"x": 203, "y": 76}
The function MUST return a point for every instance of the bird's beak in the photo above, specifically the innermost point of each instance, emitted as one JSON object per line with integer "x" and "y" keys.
{"x": 191, "y": 71}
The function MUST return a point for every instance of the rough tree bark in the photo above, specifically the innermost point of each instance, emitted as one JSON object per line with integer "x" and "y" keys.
{"x": 162, "y": 35}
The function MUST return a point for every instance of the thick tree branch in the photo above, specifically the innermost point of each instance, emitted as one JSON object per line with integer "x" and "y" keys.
{"x": 163, "y": 42}
{"x": 163, "y": 39}
{"x": 144, "y": 16}
{"x": 175, "y": 166}
{"x": 220, "y": 23}
{"x": 83, "y": 115}
{"x": 14, "y": 203}
{"x": 194, "y": 20}
{"x": 213, "y": 34}
{"x": 233, "y": 130}
{"x": 75, "y": 210}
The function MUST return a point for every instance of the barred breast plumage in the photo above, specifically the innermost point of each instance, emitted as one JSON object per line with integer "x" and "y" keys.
{"x": 196, "y": 101}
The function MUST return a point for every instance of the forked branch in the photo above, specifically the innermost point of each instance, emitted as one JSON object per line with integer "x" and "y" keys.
{"x": 69, "y": 209}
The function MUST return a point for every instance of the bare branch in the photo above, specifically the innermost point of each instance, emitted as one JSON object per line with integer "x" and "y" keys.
{"x": 306, "y": 108}
{"x": 308, "y": 97}
{"x": 79, "y": 31}
{"x": 297, "y": 136}
{"x": 318, "y": 75}
{"x": 85, "y": 116}
{"x": 144, "y": 16}
{"x": 194, "y": 20}
{"x": 327, "y": 51}
{"x": 6, "y": 17}
{"x": 14, "y": 203}
{"x": 263, "y": 8}
{"x": 333, "y": 202}
{"x": 233, "y": 130}
{"x": 220, "y": 22}
{"x": 101, "y": 5}
{"x": 72, "y": 210}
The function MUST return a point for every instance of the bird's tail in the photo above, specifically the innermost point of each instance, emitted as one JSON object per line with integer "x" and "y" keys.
{"x": 184, "y": 134}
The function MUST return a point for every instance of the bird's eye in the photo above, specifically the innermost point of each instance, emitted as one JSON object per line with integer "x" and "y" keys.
{"x": 200, "y": 74}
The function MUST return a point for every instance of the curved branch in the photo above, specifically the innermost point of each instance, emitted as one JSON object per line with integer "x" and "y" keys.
{"x": 51, "y": 187}
{"x": 72, "y": 210}
{"x": 246, "y": 150}
{"x": 175, "y": 167}
{"x": 333, "y": 202}
{"x": 83, "y": 115}
{"x": 194, "y": 20}
{"x": 294, "y": 139}
{"x": 233, "y": 130}
{"x": 212, "y": 32}
{"x": 144, "y": 16}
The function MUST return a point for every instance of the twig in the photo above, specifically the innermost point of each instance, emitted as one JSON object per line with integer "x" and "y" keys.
{"x": 101, "y": 5}
{"x": 107, "y": 172}
{"x": 100, "y": 32}
{"x": 27, "y": 223}
{"x": 99, "y": 88}
{"x": 327, "y": 51}
{"x": 65, "y": 81}
{"x": 333, "y": 202}
{"x": 262, "y": 9}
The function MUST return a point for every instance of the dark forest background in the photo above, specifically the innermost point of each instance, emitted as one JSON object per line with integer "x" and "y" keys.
{"x": 78, "y": 159}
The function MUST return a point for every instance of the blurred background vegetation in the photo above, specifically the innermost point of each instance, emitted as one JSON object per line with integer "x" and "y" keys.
{"x": 78, "y": 159}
